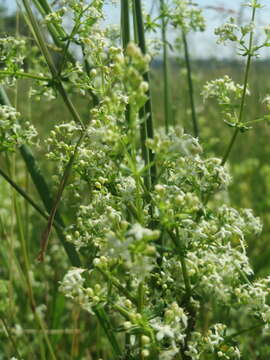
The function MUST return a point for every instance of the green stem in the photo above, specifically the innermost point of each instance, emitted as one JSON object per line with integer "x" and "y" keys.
{"x": 117, "y": 284}
{"x": 243, "y": 99}
{"x": 22, "y": 74}
{"x": 10, "y": 336}
{"x": 28, "y": 280}
{"x": 148, "y": 119}
{"x": 27, "y": 197}
{"x": 62, "y": 185}
{"x": 191, "y": 311}
{"x": 167, "y": 103}
{"x": 230, "y": 337}
{"x": 125, "y": 33}
{"x": 140, "y": 309}
{"x": 39, "y": 38}
{"x": 125, "y": 23}
{"x": 108, "y": 329}
{"x": 190, "y": 86}
{"x": 178, "y": 245}
{"x": 56, "y": 30}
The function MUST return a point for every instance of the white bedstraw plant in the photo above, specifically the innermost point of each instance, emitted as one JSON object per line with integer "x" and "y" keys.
{"x": 159, "y": 263}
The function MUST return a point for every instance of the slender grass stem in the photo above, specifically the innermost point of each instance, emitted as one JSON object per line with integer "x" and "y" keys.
{"x": 56, "y": 30}
{"x": 125, "y": 23}
{"x": 32, "y": 301}
{"x": 190, "y": 86}
{"x": 10, "y": 336}
{"x": 140, "y": 309}
{"x": 117, "y": 284}
{"x": 244, "y": 331}
{"x": 22, "y": 74}
{"x": 189, "y": 307}
{"x": 135, "y": 27}
{"x": 148, "y": 106}
{"x": 27, "y": 197}
{"x": 39, "y": 38}
{"x": 108, "y": 329}
{"x": 167, "y": 102}
{"x": 125, "y": 34}
{"x": 177, "y": 244}
{"x": 244, "y": 94}
{"x": 48, "y": 331}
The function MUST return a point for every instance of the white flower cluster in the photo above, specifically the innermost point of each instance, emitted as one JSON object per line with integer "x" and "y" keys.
{"x": 213, "y": 342}
{"x": 127, "y": 249}
{"x": 12, "y": 53}
{"x": 228, "y": 31}
{"x": 224, "y": 90}
{"x": 227, "y": 94}
{"x": 187, "y": 16}
{"x": 73, "y": 288}
{"x": 12, "y": 134}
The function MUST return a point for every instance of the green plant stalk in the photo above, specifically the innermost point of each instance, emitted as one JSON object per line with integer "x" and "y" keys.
{"x": 145, "y": 150}
{"x": 243, "y": 99}
{"x": 125, "y": 23}
{"x": 62, "y": 185}
{"x": 191, "y": 321}
{"x": 28, "y": 281}
{"x": 43, "y": 190}
{"x": 167, "y": 102}
{"x": 148, "y": 106}
{"x": 125, "y": 34}
{"x": 27, "y": 197}
{"x": 22, "y": 74}
{"x": 140, "y": 309}
{"x": 135, "y": 26}
{"x": 57, "y": 29}
{"x": 107, "y": 327}
{"x": 39, "y": 38}
{"x": 190, "y": 86}
{"x": 10, "y": 336}
{"x": 178, "y": 246}
{"x": 39, "y": 181}
{"x": 244, "y": 331}
{"x": 45, "y": 194}
{"x": 48, "y": 331}
{"x": 117, "y": 284}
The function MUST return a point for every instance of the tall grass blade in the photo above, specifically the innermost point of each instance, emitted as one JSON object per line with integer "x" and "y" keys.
{"x": 148, "y": 106}
{"x": 190, "y": 86}
{"x": 167, "y": 102}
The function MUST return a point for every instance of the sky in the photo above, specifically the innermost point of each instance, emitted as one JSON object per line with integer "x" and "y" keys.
{"x": 203, "y": 45}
